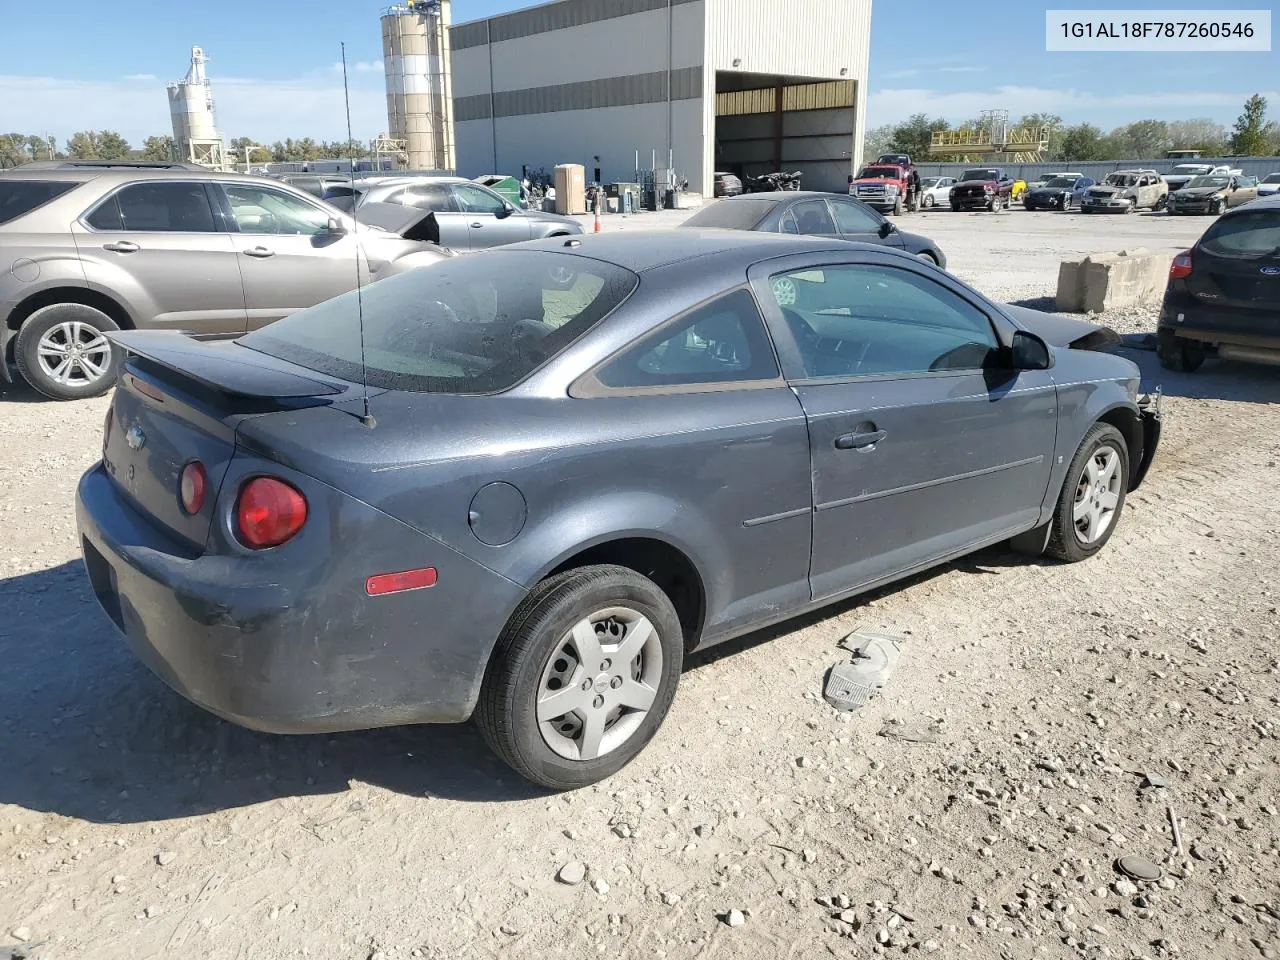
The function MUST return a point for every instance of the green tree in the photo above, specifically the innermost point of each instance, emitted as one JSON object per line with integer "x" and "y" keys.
{"x": 876, "y": 142}
{"x": 916, "y": 134}
{"x": 1050, "y": 122}
{"x": 1273, "y": 138}
{"x": 1081, "y": 142}
{"x": 1140, "y": 140}
{"x": 112, "y": 146}
{"x": 1199, "y": 133}
{"x": 158, "y": 148}
{"x": 1249, "y": 138}
{"x": 12, "y": 150}
{"x": 83, "y": 145}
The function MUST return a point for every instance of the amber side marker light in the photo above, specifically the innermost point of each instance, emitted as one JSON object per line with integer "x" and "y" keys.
{"x": 384, "y": 583}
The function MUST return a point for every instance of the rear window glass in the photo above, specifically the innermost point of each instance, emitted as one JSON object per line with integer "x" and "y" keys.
{"x": 730, "y": 215}
{"x": 1255, "y": 234}
{"x": 22, "y": 196}
{"x": 475, "y": 324}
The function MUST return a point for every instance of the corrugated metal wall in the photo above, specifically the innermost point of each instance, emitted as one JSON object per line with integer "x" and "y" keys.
{"x": 1252, "y": 166}
{"x": 807, "y": 96}
{"x": 802, "y": 38}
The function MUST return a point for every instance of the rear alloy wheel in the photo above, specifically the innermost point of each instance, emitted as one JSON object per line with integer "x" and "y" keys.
{"x": 62, "y": 353}
{"x": 1092, "y": 497}
{"x": 897, "y": 207}
{"x": 928, "y": 201}
{"x": 582, "y": 677}
{"x": 1177, "y": 353}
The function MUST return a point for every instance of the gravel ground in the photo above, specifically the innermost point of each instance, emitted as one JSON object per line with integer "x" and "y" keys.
{"x": 759, "y": 823}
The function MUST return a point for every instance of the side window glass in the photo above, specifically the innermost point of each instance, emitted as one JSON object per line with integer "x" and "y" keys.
{"x": 157, "y": 207}
{"x": 474, "y": 200}
{"x": 263, "y": 210}
{"x": 812, "y": 217}
{"x": 851, "y": 218}
{"x": 722, "y": 342}
{"x": 788, "y": 224}
{"x": 851, "y": 321}
{"x": 431, "y": 197}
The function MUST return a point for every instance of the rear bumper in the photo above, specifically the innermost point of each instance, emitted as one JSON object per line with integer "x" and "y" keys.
{"x": 285, "y": 645}
{"x": 1256, "y": 329}
{"x": 1106, "y": 206}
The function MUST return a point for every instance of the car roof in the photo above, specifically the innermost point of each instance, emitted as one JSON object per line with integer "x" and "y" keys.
{"x": 644, "y": 250}
{"x": 1268, "y": 204}
{"x": 127, "y": 174}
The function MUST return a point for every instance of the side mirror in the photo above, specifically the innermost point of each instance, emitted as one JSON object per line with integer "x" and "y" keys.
{"x": 504, "y": 211}
{"x": 335, "y": 226}
{"x": 886, "y": 229}
{"x": 1029, "y": 352}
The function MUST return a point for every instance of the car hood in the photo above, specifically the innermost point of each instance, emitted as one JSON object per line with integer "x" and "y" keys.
{"x": 394, "y": 221}
{"x": 974, "y": 183}
{"x": 1048, "y": 191}
{"x": 1200, "y": 191}
{"x": 884, "y": 180}
{"x": 537, "y": 216}
{"x": 1059, "y": 331}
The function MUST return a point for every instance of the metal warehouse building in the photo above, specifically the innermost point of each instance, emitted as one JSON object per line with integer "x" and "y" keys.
{"x": 744, "y": 86}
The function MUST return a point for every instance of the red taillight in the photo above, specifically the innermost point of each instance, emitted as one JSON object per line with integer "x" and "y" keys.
{"x": 192, "y": 487}
{"x": 1181, "y": 266}
{"x": 269, "y": 512}
{"x": 385, "y": 583}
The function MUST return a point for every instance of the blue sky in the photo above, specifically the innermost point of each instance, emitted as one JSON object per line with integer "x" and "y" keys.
{"x": 76, "y": 64}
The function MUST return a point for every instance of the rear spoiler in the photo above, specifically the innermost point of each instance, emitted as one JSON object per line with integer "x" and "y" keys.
{"x": 224, "y": 366}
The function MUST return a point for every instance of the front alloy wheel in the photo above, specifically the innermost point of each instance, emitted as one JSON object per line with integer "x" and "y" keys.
{"x": 1092, "y": 496}
{"x": 62, "y": 352}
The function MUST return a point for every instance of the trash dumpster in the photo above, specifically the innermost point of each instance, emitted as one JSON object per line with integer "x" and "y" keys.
{"x": 506, "y": 187}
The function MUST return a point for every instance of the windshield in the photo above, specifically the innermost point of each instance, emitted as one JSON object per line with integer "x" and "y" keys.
{"x": 1272, "y": 178}
{"x": 736, "y": 214}
{"x": 1216, "y": 182}
{"x": 880, "y": 173}
{"x": 22, "y": 196}
{"x": 1191, "y": 169}
{"x": 476, "y": 324}
{"x": 1061, "y": 182}
{"x": 981, "y": 174}
{"x": 930, "y": 182}
{"x": 1255, "y": 234}
{"x": 1121, "y": 180}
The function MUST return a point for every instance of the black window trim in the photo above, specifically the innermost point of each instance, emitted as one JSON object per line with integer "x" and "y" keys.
{"x": 588, "y": 386}
{"x": 788, "y": 351}
{"x": 114, "y": 193}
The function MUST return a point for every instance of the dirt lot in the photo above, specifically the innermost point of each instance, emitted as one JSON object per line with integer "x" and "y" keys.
{"x": 134, "y": 825}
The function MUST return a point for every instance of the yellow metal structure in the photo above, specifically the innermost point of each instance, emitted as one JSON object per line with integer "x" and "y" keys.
{"x": 1026, "y": 145}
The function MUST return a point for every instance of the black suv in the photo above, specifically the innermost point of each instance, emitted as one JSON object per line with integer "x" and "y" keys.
{"x": 1223, "y": 296}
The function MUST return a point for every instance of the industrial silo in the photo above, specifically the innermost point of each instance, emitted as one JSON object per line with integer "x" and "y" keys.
{"x": 415, "y": 55}
{"x": 195, "y": 131}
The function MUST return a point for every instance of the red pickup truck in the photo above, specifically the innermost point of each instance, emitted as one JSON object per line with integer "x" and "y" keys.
{"x": 890, "y": 187}
{"x": 982, "y": 188}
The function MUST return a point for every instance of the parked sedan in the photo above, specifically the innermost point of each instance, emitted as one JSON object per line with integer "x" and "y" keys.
{"x": 812, "y": 214}
{"x": 727, "y": 185}
{"x": 1223, "y": 295}
{"x": 1213, "y": 194}
{"x": 1060, "y": 193}
{"x": 527, "y": 506}
{"x": 1269, "y": 185}
{"x": 935, "y": 190}
{"x": 86, "y": 250}
{"x": 470, "y": 216}
{"x": 1126, "y": 191}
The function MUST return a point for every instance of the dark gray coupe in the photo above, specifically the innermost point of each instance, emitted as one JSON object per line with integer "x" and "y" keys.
{"x": 579, "y": 460}
{"x": 812, "y": 214}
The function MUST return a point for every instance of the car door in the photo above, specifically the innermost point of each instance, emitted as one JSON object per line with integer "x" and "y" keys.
{"x": 158, "y": 245}
{"x": 438, "y": 198}
{"x": 923, "y": 443}
{"x": 810, "y": 218}
{"x": 857, "y": 221}
{"x": 289, "y": 259}
{"x": 491, "y": 221}
{"x": 1246, "y": 189}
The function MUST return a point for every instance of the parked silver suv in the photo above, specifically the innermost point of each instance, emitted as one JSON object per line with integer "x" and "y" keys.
{"x": 87, "y": 248}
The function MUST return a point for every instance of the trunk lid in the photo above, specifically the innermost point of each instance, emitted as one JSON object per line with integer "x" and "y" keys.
{"x": 179, "y": 400}
{"x": 1237, "y": 282}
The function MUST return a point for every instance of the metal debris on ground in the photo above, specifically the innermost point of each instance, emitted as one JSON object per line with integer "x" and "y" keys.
{"x": 852, "y": 684}
{"x": 1177, "y": 833}
{"x": 1153, "y": 781}
{"x": 910, "y": 732}
{"x": 1138, "y": 868}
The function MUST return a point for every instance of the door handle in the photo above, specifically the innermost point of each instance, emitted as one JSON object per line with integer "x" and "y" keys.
{"x": 477, "y": 225}
{"x": 122, "y": 246}
{"x": 859, "y": 441}
{"x": 260, "y": 252}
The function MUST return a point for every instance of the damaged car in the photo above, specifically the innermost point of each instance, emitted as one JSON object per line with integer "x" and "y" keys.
{"x": 1063, "y": 192}
{"x": 1213, "y": 194}
{"x": 467, "y": 493}
{"x": 1126, "y": 191}
{"x": 89, "y": 249}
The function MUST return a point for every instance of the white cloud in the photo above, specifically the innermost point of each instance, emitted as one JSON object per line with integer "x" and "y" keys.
{"x": 144, "y": 77}
{"x": 891, "y": 105}
{"x": 961, "y": 69}
{"x": 265, "y": 110}
{"x": 359, "y": 66}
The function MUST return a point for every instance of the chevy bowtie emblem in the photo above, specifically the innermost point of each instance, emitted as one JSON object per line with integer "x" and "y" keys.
{"x": 135, "y": 438}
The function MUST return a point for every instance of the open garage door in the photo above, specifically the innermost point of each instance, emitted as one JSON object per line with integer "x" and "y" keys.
{"x": 766, "y": 123}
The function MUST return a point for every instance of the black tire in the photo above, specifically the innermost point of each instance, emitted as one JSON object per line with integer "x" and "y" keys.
{"x": 897, "y": 207}
{"x": 928, "y": 201}
{"x": 927, "y": 257}
{"x": 507, "y": 709}
{"x": 26, "y": 352}
{"x": 1177, "y": 353}
{"x": 1217, "y": 208}
{"x": 1065, "y": 540}
{"x": 994, "y": 204}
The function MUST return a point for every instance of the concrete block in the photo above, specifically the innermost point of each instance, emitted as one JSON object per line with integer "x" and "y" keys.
{"x": 1105, "y": 281}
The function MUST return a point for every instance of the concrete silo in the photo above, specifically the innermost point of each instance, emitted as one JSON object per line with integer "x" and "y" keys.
{"x": 415, "y": 55}
{"x": 195, "y": 131}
